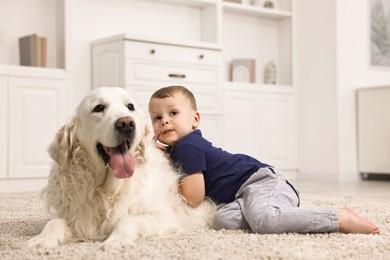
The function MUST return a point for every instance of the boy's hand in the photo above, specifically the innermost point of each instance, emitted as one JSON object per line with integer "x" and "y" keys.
{"x": 158, "y": 144}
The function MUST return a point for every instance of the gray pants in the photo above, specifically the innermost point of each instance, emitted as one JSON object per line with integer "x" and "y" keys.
{"x": 267, "y": 203}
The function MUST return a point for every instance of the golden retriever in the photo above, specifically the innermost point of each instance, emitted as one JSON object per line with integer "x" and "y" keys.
{"x": 109, "y": 182}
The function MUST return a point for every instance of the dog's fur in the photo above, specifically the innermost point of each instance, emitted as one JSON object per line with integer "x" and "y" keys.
{"x": 88, "y": 200}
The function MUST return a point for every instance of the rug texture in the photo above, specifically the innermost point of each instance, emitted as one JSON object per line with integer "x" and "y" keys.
{"x": 23, "y": 216}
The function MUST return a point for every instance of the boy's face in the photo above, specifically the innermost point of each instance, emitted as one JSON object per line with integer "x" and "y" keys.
{"x": 173, "y": 118}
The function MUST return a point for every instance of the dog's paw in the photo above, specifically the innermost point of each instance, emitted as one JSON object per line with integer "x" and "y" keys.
{"x": 38, "y": 242}
{"x": 115, "y": 244}
{"x": 112, "y": 245}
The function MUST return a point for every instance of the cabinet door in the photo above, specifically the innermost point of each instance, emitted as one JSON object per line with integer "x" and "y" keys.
{"x": 278, "y": 129}
{"x": 212, "y": 129}
{"x": 242, "y": 118}
{"x": 3, "y": 127}
{"x": 37, "y": 109}
{"x": 263, "y": 125}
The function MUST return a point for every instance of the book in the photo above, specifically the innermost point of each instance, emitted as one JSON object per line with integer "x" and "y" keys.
{"x": 33, "y": 50}
{"x": 37, "y": 51}
{"x": 27, "y": 50}
{"x": 43, "y": 52}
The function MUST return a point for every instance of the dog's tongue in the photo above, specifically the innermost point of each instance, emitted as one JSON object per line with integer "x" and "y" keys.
{"x": 121, "y": 161}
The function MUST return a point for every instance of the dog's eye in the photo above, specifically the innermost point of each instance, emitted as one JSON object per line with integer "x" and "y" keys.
{"x": 98, "y": 109}
{"x": 130, "y": 107}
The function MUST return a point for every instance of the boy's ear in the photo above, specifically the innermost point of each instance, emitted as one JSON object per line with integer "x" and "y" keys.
{"x": 196, "y": 122}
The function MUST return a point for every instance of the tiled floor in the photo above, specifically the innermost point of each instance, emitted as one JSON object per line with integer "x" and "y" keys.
{"x": 375, "y": 189}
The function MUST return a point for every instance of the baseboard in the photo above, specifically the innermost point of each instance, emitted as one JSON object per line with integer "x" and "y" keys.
{"x": 290, "y": 174}
{"x": 329, "y": 177}
{"x": 317, "y": 177}
{"x": 22, "y": 185}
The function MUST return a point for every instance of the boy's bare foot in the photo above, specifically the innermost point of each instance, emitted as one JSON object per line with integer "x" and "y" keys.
{"x": 351, "y": 222}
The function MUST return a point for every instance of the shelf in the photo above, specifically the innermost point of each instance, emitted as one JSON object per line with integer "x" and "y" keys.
{"x": 167, "y": 41}
{"x": 260, "y": 12}
{"x": 27, "y": 71}
{"x": 190, "y": 2}
{"x": 47, "y": 18}
{"x": 256, "y": 87}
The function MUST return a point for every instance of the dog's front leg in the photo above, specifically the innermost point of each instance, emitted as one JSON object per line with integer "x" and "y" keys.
{"x": 131, "y": 228}
{"x": 56, "y": 232}
{"x": 123, "y": 235}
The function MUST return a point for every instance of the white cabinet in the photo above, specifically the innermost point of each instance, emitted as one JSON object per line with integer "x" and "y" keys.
{"x": 143, "y": 65}
{"x": 33, "y": 101}
{"x": 252, "y": 118}
{"x": 263, "y": 124}
{"x": 373, "y": 130}
{"x": 36, "y": 112}
{"x": 3, "y": 127}
{"x": 32, "y": 110}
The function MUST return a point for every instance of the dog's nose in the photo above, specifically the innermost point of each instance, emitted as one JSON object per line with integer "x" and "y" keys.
{"x": 125, "y": 124}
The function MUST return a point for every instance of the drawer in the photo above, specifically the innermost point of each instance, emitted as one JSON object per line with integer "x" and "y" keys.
{"x": 138, "y": 72}
{"x": 162, "y": 52}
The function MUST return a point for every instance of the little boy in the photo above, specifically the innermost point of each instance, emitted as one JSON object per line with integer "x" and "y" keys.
{"x": 250, "y": 194}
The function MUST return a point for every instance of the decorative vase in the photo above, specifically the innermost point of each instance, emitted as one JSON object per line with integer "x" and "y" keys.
{"x": 270, "y": 73}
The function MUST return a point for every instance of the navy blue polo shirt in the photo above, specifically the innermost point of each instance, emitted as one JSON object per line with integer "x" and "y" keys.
{"x": 223, "y": 172}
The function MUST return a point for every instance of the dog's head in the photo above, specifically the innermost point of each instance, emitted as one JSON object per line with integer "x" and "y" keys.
{"x": 109, "y": 126}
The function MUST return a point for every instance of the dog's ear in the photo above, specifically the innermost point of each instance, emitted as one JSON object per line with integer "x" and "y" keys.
{"x": 140, "y": 151}
{"x": 61, "y": 149}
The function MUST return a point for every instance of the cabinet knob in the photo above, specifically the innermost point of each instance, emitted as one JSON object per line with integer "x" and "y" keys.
{"x": 152, "y": 51}
{"x": 201, "y": 56}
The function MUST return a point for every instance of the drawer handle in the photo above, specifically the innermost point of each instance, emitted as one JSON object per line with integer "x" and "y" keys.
{"x": 152, "y": 51}
{"x": 174, "y": 75}
{"x": 201, "y": 56}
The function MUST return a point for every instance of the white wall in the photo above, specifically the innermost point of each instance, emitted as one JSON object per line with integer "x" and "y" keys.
{"x": 317, "y": 83}
{"x": 353, "y": 41}
{"x": 333, "y": 54}
{"x": 96, "y": 19}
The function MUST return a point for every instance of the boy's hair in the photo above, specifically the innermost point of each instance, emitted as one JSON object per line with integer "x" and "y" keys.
{"x": 172, "y": 90}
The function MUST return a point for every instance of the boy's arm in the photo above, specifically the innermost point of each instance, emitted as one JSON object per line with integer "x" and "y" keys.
{"x": 192, "y": 189}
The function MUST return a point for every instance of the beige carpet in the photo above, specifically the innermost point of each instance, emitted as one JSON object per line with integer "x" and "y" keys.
{"x": 22, "y": 216}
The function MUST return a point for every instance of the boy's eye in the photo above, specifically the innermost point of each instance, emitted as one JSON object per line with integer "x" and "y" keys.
{"x": 157, "y": 118}
{"x": 173, "y": 113}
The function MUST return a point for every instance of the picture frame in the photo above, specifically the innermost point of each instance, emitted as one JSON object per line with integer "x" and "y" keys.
{"x": 380, "y": 33}
{"x": 243, "y": 70}
{"x": 233, "y": 1}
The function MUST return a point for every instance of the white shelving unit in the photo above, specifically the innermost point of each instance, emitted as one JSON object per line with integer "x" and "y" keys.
{"x": 245, "y": 31}
{"x": 34, "y": 99}
{"x": 236, "y": 31}
{"x": 263, "y": 34}
{"x": 253, "y": 118}
{"x": 49, "y": 18}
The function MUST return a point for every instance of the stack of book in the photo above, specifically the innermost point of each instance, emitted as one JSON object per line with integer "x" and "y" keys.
{"x": 33, "y": 50}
